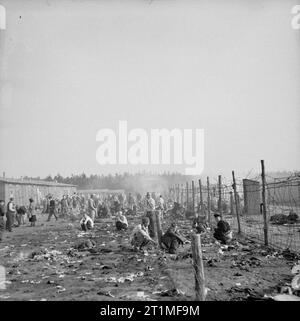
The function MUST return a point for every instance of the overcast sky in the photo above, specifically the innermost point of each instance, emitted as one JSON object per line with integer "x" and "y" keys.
{"x": 70, "y": 68}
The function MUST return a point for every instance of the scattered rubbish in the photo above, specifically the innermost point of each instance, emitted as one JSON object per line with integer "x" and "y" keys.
{"x": 105, "y": 293}
{"x": 171, "y": 293}
{"x": 60, "y": 289}
{"x": 296, "y": 269}
{"x": 85, "y": 245}
{"x": 296, "y": 282}
{"x": 286, "y": 297}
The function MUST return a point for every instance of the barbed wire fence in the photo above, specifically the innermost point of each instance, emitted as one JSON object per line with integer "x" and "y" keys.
{"x": 240, "y": 202}
{"x": 263, "y": 208}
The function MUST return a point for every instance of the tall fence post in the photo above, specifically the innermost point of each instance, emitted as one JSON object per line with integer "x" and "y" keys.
{"x": 231, "y": 203}
{"x": 263, "y": 178}
{"x": 220, "y": 196}
{"x": 181, "y": 195}
{"x": 299, "y": 193}
{"x": 193, "y": 197}
{"x": 187, "y": 195}
{"x": 198, "y": 267}
{"x": 201, "y": 198}
{"x": 236, "y": 203}
{"x": 208, "y": 200}
{"x": 158, "y": 226}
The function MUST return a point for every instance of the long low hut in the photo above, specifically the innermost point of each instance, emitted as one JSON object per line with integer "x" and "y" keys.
{"x": 22, "y": 190}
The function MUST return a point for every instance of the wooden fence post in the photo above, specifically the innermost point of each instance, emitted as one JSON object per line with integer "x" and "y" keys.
{"x": 220, "y": 196}
{"x": 201, "y": 198}
{"x": 198, "y": 268}
{"x": 193, "y": 197}
{"x": 263, "y": 178}
{"x": 158, "y": 227}
{"x": 236, "y": 203}
{"x": 187, "y": 195}
{"x": 181, "y": 202}
{"x": 208, "y": 201}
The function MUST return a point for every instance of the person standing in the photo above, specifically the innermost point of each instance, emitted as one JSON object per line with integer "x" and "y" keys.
{"x": 10, "y": 213}
{"x": 21, "y": 211}
{"x": 2, "y": 212}
{"x": 64, "y": 206}
{"x": 52, "y": 209}
{"x": 92, "y": 208}
{"x": 149, "y": 209}
{"x": 31, "y": 212}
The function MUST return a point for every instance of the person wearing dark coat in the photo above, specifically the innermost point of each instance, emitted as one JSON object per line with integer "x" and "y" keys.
{"x": 223, "y": 231}
{"x": 31, "y": 212}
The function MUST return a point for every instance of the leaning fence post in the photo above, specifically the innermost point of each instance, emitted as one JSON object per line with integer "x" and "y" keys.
{"x": 158, "y": 226}
{"x": 263, "y": 178}
{"x": 236, "y": 203}
{"x": 198, "y": 268}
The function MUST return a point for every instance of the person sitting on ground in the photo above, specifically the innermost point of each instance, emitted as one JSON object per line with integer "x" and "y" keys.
{"x": 86, "y": 222}
{"x": 140, "y": 237}
{"x": 121, "y": 221}
{"x": 200, "y": 224}
{"x": 222, "y": 232}
{"x": 172, "y": 239}
{"x": 31, "y": 212}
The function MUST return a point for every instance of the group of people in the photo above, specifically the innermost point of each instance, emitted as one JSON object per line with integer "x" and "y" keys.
{"x": 15, "y": 215}
{"x": 143, "y": 234}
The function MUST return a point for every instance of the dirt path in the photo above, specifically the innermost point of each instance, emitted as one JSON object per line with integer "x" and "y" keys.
{"x": 42, "y": 264}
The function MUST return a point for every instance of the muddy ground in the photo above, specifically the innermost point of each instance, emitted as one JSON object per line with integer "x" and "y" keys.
{"x": 43, "y": 263}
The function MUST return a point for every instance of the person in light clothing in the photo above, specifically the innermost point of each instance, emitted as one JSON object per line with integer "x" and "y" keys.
{"x": 140, "y": 237}
{"x": 86, "y": 223}
{"x": 149, "y": 205}
{"x": 121, "y": 221}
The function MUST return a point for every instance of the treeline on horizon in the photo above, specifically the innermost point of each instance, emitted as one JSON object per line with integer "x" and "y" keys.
{"x": 133, "y": 182}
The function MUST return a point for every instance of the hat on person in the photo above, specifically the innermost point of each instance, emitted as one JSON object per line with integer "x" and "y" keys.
{"x": 31, "y": 200}
{"x": 217, "y": 215}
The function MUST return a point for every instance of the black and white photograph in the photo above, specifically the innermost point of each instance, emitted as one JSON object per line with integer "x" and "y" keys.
{"x": 149, "y": 153}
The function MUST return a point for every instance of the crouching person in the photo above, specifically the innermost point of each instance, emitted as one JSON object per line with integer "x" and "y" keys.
{"x": 172, "y": 239}
{"x": 121, "y": 222}
{"x": 199, "y": 224}
{"x": 222, "y": 232}
{"x": 86, "y": 223}
{"x": 140, "y": 238}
